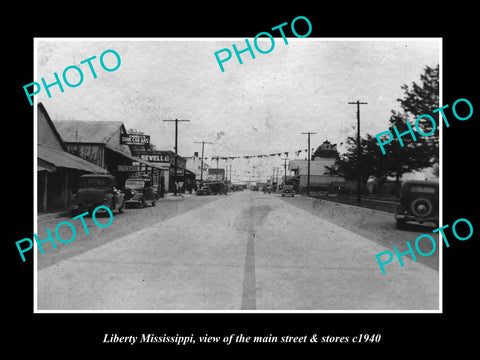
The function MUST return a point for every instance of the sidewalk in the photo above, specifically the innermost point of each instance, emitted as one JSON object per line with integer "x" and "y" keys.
{"x": 172, "y": 197}
{"x": 59, "y": 213}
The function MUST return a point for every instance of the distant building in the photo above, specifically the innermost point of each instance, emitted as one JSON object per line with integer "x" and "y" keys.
{"x": 214, "y": 174}
{"x": 194, "y": 164}
{"x": 326, "y": 150}
{"x": 320, "y": 177}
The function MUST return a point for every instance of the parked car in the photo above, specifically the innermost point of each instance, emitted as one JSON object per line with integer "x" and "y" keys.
{"x": 218, "y": 187}
{"x": 418, "y": 203}
{"x": 96, "y": 190}
{"x": 139, "y": 192}
{"x": 204, "y": 190}
{"x": 288, "y": 190}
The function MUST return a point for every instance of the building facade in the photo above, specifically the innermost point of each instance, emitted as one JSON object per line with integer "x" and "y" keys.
{"x": 99, "y": 142}
{"x": 320, "y": 176}
{"x": 58, "y": 171}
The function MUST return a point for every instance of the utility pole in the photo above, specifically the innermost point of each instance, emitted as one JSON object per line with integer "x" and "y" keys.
{"x": 201, "y": 165}
{"x": 285, "y": 169}
{"x": 359, "y": 171}
{"x": 308, "y": 162}
{"x": 216, "y": 172}
{"x": 176, "y": 152}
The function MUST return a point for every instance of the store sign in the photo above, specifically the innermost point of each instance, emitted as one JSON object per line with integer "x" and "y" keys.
{"x": 155, "y": 158}
{"x": 127, "y": 168}
{"x": 159, "y": 156}
{"x": 134, "y": 139}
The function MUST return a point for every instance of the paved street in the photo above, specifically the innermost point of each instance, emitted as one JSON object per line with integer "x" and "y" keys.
{"x": 243, "y": 251}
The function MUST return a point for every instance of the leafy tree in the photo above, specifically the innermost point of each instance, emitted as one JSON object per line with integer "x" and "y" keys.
{"x": 372, "y": 162}
{"x": 419, "y": 100}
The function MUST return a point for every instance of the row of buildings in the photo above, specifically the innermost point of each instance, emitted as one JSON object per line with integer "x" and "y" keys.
{"x": 68, "y": 149}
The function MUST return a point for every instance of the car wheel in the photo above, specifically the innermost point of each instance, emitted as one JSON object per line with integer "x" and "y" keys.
{"x": 153, "y": 203}
{"x": 421, "y": 207}
{"x": 401, "y": 224}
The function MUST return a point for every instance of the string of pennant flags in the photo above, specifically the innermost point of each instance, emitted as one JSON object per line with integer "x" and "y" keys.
{"x": 260, "y": 156}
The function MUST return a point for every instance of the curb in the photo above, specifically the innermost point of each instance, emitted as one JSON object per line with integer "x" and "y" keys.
{"x": 353, "y": 206}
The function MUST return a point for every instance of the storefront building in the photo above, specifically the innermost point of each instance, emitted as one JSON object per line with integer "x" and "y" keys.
{"x": 166, "y": 159}
{"x": 58, "y": 171}
{"x": 99, "y": 142}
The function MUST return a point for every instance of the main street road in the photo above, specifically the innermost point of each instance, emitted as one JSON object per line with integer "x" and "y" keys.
{"x": 243, "y": 251}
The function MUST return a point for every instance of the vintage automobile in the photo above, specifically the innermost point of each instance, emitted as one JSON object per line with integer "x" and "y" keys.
{"x": 218, "y": 187}
{"x": 139, "y": 191}
{"x": 212, "y": 188}
{"x": 418, "y": 203}
{"x": 204, "y": 190}
{"x": 288, "y": 190}
{"x": 95, "y": 190}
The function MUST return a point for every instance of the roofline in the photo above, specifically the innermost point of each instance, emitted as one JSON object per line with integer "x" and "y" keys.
{"x": 98, "y": 174}
{"x": 52, "y": 125}
{"x": 120, "y": 123}
{"x": 83, "y": 143}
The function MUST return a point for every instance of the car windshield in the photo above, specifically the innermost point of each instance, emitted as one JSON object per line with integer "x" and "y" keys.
{"x": 288, "y": 187}
{"x": 96, "y": 182}
{"x": 132, "y": 184}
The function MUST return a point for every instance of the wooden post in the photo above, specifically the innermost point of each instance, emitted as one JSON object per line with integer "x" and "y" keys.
{"x": 66, "y": 192}
{"x": 45, "y": 187}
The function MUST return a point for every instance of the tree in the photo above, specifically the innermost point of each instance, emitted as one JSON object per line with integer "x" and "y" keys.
{"x": 419, "y": 100}
{"x": 372, "y": 162}
{"x": 398, "y": 160}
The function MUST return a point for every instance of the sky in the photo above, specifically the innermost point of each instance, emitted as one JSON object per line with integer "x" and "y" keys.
{"x": 259, "y": 107}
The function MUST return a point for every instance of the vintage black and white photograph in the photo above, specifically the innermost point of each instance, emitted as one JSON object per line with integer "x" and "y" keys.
{"x": 272, "y": 174}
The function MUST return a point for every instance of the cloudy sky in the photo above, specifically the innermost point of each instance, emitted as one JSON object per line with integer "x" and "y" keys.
{"x": 258, "y": 107}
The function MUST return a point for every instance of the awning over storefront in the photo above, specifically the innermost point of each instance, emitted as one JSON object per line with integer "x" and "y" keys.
{"x": 134, "y": 158}
{"x": 60, "y": 158}
{"x": 45, "y": 168}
